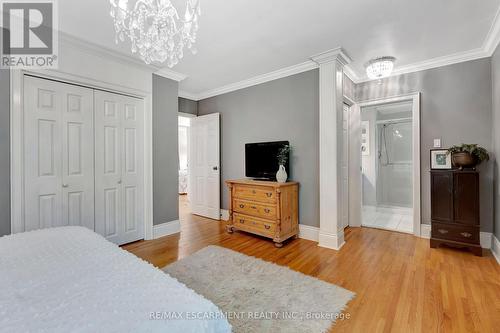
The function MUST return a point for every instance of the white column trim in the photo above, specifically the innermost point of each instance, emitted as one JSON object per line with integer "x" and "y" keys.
{"x": 331, "y": 75}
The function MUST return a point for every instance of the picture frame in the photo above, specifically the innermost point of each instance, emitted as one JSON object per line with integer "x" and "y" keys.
{"x": 440, "y": 159}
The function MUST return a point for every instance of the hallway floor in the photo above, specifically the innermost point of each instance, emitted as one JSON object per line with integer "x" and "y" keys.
{"x": 388, "y": 218}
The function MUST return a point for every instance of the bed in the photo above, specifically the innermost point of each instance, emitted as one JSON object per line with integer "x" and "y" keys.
{"x": 70, "y": 279}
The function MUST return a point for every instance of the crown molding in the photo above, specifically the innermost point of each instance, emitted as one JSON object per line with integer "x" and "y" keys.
{"x": 67, "y": 40}
{"x": 493, "y": 37}
{"x": 337, "y": 54}
{"x": 170, "y": 74}
{"x": 278, "y": 74}
{"x": 188, "y": 95}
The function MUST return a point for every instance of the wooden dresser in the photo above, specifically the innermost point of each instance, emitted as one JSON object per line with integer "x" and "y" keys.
{"x": 265, "y": 208}
{"x": 455, "y": 209}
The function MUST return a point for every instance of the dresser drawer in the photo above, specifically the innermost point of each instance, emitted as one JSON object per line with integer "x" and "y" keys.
{"x": 261, "y": 193}
{"x": 459, "y": 233}
{"x": 253, "y": 224}
{"x": 255, "y": 209}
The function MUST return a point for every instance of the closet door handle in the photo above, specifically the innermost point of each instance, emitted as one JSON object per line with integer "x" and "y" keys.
{"x": 65, "y": 185}
{"x": 120, "y": 181}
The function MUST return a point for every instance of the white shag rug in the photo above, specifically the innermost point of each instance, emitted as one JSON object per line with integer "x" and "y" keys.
{"x": 258, "y": 296}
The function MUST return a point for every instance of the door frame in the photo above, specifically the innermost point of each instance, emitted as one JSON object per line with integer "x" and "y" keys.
{"x": 415, "y": 99}
{"x": 17, "y": 139}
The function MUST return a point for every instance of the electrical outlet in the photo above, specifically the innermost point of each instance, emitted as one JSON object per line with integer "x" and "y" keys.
{"x": 437, "y": 143}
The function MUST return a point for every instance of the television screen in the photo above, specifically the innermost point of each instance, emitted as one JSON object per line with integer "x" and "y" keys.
{"x": 261, "y": 159}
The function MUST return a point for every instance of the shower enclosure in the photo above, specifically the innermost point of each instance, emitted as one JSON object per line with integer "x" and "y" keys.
{"x": 387, "y": 167}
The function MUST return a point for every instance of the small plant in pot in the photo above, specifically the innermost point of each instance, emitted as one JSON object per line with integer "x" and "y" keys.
{"x": 468, "y": 155}
{"x": 282, "y": 158}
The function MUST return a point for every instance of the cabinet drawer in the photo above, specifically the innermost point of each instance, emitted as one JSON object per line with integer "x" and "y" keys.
{"x": 459, "y": 233}
{"x": 253, "y": 224}
{"x": 261, "y": 193}
{"x": 255, "y": 209}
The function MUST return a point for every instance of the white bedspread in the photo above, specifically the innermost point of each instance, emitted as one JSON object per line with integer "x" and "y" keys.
{"x": 70, "y": 279}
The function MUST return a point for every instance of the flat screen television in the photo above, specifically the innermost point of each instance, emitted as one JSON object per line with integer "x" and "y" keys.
{"x": 261, "y": 161}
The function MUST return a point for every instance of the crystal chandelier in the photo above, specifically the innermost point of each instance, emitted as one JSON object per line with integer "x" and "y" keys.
{"x": 379, "y": 68}
{"x": 155, "y": 29}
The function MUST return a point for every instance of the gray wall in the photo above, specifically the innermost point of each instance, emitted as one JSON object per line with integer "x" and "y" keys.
{"x": 4, "y": 152}
{"x": 284, "y": 109}
{"x": 456, "y": 107}
{"x": 495, "y": 79}
{"x": 165, "y": 150}
{"x": 188, "y": 106}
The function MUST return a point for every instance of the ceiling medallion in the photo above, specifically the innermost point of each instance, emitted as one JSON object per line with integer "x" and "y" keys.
{"x": 155, "y": 29}
{"x": 380, "y": 67}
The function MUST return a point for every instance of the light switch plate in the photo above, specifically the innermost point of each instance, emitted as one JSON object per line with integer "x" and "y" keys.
{"x": 437, "y": 143}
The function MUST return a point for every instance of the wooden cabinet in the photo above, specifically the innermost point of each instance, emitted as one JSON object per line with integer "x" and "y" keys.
{"x": 264, "y": 208}
{"x": 455, "y": 209}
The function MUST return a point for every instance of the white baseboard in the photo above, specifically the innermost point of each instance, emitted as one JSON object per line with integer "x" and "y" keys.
{"x": 331, "y": 241}
{"x": 495, "y": 248}
{"x": 308, "y": 232}
{"x": 484, "y": 237}
{"x": 165, "y": 229}
{"x": 224, "y": 214}
{"x": 425, "y": 231}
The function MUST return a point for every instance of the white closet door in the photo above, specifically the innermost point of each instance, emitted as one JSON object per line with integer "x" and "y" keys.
{"x": 119, "y": 167}
{"x": 204, "y": 166}
{"x": 58, "y": 153}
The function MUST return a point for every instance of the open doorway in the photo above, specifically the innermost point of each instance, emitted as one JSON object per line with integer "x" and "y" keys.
{"x": 390, "y": 164}
{"x": 184, "y": 123}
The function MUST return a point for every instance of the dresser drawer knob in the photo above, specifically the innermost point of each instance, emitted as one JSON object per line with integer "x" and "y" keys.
{"x": 466, "y": 234}
{"x": 267, "y": 227}
{"x": 253, "y": 192}
{"x": 269, "y": 194}
{"x": 443, "y": 231}
{"x": 253, "y": 207}
{"x": 242, "y": 221}
{"x": 242, "y": 206}
{"x": 267, "y": 210}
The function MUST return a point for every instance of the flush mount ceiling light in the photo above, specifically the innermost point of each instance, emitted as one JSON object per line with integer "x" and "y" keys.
{"x": 380, "y": 67}
{"x": 155, "y": 29}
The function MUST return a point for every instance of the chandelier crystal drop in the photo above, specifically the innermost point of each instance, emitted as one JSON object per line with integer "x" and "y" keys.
{"x": 155, "y": 29}
{"x": 379, "y": 68}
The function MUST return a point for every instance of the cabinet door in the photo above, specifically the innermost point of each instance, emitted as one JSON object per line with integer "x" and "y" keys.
{"x": 466, "y": 203}
{"x": 442, "y": 196}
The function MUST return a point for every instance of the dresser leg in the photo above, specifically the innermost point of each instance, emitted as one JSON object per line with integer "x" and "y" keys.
{"x": 278, "y": 244}
{"x": 477, "y": 251}
{"x": 229, "y": 229}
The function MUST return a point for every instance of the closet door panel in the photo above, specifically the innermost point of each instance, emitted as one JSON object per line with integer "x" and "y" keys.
{"x": 108, "y": 214}
{"x": 58, "y": 158}
{"x": 132, "y": 168}
{"x": 119, "y": 167}
{"x": 78, "y": 156}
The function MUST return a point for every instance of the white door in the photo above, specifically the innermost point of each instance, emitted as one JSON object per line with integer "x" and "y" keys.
{"x": 58, "y": 154}
{"x": 345, "y": 166}
{"x": 204, "y": 166}
{"x": 119, "y": 175}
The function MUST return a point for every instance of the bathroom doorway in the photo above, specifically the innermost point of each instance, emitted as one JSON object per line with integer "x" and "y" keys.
{"x": 390, "y": 172}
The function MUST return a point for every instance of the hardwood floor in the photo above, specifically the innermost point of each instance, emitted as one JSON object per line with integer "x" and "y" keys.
{"x": 401, "y": 284}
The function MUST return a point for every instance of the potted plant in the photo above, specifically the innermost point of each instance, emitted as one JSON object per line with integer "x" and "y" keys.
{"x": 282, "y": 157}
{"x": 468, "y": 155}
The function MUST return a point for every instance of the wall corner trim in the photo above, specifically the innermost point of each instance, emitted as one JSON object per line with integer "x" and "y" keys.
{"x": 167, "y": 228}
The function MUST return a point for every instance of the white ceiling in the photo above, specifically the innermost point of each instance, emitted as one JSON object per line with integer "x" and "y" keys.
{"x": 240, "y": 39}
